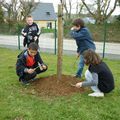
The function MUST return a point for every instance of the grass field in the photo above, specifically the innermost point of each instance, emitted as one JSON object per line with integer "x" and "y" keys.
{"x": 17, "y": 104}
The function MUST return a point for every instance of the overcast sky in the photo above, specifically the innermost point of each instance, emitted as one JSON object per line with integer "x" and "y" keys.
{"x": 56, "y": 2}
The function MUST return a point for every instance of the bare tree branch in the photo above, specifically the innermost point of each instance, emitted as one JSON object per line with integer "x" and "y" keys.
{"x": 102, "y": 12}
{"x": 107, "y": 7}
{"x": 88, "y": 8}
{"x": 66, "y": 8}
{"x": 27, "y": 7}
{"x": 112, "y": 10}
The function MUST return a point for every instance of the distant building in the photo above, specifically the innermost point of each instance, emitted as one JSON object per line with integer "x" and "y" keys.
{"x": 44, "y": 15}
{"x": 89, "y": 20}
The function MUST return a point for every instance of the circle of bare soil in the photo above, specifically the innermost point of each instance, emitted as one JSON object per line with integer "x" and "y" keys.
{"x": 50, "y": 86}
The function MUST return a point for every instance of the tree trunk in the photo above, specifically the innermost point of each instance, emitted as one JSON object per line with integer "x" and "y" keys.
{"x": 60, "y": 42}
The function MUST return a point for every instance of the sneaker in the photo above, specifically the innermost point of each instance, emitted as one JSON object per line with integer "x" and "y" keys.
{"x": 96, "y": 94}
{"x": 34, "y": 79}
{"x": 76, "y": 76}
{"x": 25, "y": 82}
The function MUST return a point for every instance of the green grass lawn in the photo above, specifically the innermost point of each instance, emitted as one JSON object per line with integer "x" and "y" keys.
{"x": 17, "y": 104}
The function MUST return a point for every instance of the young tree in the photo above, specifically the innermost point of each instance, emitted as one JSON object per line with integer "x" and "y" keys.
{"x": 103, "y": 9}
{"x": 60, "y": 42}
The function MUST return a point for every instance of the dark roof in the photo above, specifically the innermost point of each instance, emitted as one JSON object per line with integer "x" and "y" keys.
{"x": 44, "y": 11}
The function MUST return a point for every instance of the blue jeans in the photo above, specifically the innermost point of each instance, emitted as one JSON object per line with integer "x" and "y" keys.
{"x": 80, "y": 66}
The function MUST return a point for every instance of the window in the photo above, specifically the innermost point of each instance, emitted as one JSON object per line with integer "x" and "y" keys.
{"x": 49, "y": 25}
{"x": 48, "y": 13}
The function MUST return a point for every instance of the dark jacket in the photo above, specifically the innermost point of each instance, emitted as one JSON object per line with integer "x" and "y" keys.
{"x": 105, "y": 77}
{"x": 21, "y": 62}
{"x": 83, "y": 39}
{"x": 32, "y": 31}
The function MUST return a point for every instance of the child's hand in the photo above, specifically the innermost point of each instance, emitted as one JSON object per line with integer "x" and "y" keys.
{"x": 44, "y": 66}
{"x": 79, "y": 85}
{"x": 78, "y": 55}
{"x": 35, "y": 38}
{"x": 30, "y": 71}
{"x": 24, "y": 34}
{"x": 73, "y": 28}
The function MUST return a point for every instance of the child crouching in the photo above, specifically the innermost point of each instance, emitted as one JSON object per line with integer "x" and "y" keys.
{"x": 98, "y": 76}
{"x": 29, "y": 64}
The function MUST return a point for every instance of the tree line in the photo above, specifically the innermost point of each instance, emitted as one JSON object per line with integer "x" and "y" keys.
{"x": 17, "y": 10}
{"x": 100, "y": 10}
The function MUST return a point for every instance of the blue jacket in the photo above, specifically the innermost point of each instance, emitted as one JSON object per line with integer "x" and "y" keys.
{"x": 83, "y": 39}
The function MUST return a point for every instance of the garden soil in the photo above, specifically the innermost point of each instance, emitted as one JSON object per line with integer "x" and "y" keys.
{"x": 51, "y": 86}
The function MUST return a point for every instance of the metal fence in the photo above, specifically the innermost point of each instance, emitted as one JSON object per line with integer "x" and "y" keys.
{"x": 107, "y": 38}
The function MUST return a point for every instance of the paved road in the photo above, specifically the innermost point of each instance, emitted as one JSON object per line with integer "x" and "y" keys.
{"x": 47, "y": 44}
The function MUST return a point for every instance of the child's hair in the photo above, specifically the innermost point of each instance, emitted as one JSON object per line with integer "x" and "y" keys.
{"x": 78, "y": 22}
{"x": 29, "y": 16}
{"x": 33, "y": 46}
{"x": 91, "y": 57}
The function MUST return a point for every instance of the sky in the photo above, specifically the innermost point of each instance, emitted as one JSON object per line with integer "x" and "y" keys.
{"x": 56, "y": 2}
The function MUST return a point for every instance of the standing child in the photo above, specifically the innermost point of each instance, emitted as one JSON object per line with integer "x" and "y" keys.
{"x": 29, "y": 64}
{"x": 31, "y": 32}
{"x": 98, "y": 75}
{"x": 84, "y": 41}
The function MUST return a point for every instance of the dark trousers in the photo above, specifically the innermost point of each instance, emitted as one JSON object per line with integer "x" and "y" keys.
{"x": 27, "y": 42}
{"x": 28, "y": 76}
{"x": 37, "y": 41}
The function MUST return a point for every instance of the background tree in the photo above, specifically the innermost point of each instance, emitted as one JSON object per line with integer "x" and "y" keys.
{"x": 103, "y": 9}
{"x": 118, "y": 16}
{"x": 17, "y": 9}
{"x": 67, "y": 7}
{"x": 15, "y": 12}
{"x": 12, "y": 9}
{"x": 27, "y": 6}
{"x": 80, "y": 6}
{"x": 119, "y": 2}
{"x": 1, "y": 15}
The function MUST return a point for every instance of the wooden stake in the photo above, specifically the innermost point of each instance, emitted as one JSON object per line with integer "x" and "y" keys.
{"x": 60, "y": 41}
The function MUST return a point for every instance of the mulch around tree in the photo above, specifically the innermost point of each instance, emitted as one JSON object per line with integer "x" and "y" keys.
{"x": 50, "y": 86}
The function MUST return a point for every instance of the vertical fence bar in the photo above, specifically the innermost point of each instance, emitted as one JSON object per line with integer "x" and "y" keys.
{"x": 105, "y": 30}
{"x": 55, "y": 37}
{"x": 18, "y": 38}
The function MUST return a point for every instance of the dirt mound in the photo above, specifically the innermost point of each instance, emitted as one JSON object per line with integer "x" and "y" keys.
{"x": 50, "y": 86}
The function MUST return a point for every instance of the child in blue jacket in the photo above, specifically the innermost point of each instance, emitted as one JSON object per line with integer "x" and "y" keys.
{"x": 84, "y": 41}
{"x": 29, "y": 64}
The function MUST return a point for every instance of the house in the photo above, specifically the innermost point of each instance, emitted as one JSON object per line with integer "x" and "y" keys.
{"x": 44, "y": 15}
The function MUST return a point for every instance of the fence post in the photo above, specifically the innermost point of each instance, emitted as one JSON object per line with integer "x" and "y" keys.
{"x": 105, "y": 28}
{"x": 18, "y": 38}
{"x": 55, "y": 36}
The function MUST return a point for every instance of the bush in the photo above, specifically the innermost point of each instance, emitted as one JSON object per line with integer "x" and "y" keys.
{"x": 12, "y": 28}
